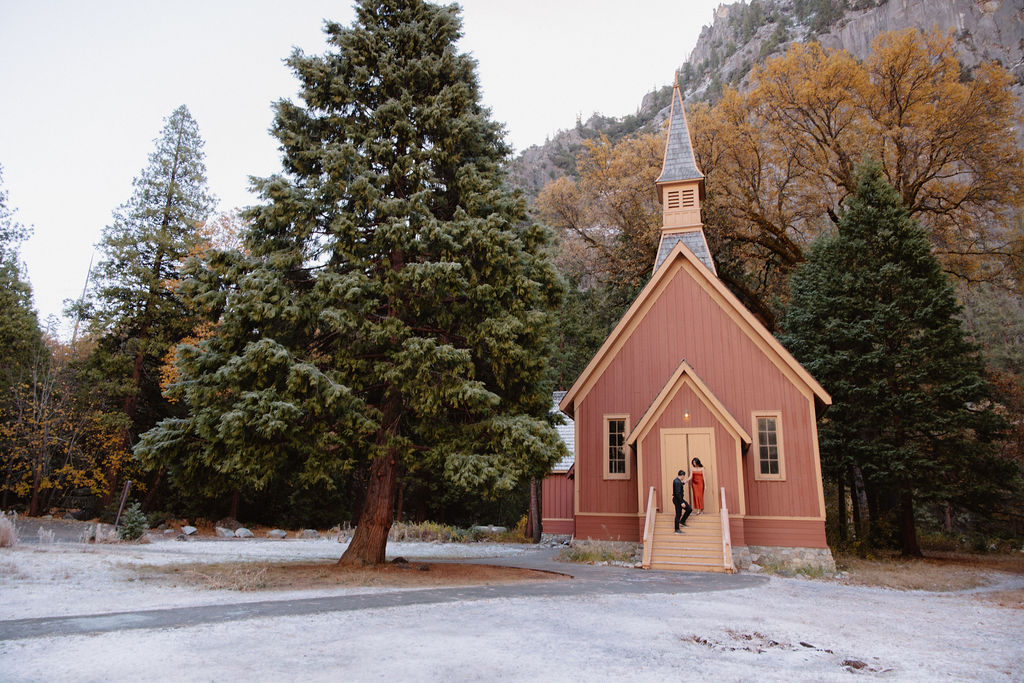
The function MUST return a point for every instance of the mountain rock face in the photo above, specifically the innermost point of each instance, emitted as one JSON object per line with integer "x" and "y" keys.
{"x": 743, "y": 34}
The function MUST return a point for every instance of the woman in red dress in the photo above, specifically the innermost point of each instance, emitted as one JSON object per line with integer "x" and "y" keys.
{"x": 698, "y": 486}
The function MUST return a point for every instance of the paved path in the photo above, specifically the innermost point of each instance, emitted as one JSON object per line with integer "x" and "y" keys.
{"x": 584, "y": 580}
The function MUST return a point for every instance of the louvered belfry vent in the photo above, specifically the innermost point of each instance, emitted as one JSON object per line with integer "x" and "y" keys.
{"x": 680, "y": 189}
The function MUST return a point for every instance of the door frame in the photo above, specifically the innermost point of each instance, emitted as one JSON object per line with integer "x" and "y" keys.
{"x": 710, "y": 466}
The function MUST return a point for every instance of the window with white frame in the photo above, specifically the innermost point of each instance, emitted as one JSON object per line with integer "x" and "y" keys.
{"x": 616, "y": 464}
{"x": 770, "y": 462}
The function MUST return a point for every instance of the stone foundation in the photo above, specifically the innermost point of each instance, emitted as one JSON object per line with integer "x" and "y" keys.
{"x": 754, "y": 558}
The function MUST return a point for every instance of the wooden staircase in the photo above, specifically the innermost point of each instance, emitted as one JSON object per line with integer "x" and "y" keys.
{"x": 697, "y": 549}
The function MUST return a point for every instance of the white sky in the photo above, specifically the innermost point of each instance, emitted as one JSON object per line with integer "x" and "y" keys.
{"x": 87, "y": 85}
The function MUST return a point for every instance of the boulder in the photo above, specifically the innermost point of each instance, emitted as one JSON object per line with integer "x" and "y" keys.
{"x": 224, "y": 533}
{"x": 277, "y": 533}
{"x": 489, "y": 529}
{"x": 188, "y": 530}
{"x": 312, "y": 534}
{"x": 229, "y": 523}
{"x": 242, "y": 532}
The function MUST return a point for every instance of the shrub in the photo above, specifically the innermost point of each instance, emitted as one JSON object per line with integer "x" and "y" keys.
{"x": 8, "y": 533}
{"x": 133, "y": 523}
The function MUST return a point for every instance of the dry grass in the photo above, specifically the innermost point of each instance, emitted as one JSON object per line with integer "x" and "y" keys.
{"x": 944, "y": 572}
{"x": 249, "y": 576}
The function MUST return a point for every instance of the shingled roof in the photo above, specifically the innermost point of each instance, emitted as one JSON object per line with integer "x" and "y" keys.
{"x": 679, "y": 162}
{"x": 692, "y": 240}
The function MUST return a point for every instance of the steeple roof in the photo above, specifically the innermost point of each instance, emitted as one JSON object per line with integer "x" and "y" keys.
{"x": 679, "y": 164}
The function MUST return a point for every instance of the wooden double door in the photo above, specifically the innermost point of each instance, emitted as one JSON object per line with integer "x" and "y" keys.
{"x": 678, "y": 448}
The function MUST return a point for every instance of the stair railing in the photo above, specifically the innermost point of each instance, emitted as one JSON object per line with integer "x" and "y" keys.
{"x": 649, "y": 530}
{"x": 726, "y": 537}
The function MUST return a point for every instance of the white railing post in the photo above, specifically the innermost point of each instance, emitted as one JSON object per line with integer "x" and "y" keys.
{"x": 649, "y": 530}
{"x": 726, "y": 538}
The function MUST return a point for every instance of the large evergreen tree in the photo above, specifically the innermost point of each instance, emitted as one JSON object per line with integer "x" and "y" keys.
{"x": 393, "y": 307}
{"x": 874, "y": 318}
{"x": 20, "y": 336}
{"x": 134, "y": 310}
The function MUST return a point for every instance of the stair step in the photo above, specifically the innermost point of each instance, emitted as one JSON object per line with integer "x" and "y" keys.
{"x": 688, "y": 567}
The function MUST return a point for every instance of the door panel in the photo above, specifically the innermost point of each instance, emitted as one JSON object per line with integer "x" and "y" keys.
{"x": 678, "y": 447}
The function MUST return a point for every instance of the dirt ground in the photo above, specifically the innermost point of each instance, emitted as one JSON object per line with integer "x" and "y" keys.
{"x": 938, "y": 572}
{"x": 250, "y": 576}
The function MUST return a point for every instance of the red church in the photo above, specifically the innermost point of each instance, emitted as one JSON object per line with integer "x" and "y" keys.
{"x": 689, "y": 373}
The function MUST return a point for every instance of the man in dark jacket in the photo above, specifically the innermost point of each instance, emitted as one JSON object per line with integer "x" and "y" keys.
{"x": 678, "y": 499}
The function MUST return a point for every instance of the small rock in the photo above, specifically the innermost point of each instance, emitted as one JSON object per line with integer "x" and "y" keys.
{"x": 399, "y": 560}
{"x": 188, "y": 530}
{"x": 242, "y": 532}
{"x": 224, "y": 533}
{"x": 169, "y": 531}
{"x": 277, "y": 533}
{"x": 754, "y": 567}
{"x": 424, "y": 568}
{"x": 854, "y": 663}
{"x": 181, "y": 537}
{"x": 310, "y": 534}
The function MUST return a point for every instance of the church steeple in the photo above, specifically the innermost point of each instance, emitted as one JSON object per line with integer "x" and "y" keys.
{"x": 681, "y": 189}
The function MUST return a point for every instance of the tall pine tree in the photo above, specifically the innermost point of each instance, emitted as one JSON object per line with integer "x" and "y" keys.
{"x": 393, "y": 307}
{"x": 874, "y": 318}
{"x": 135, "y": 313}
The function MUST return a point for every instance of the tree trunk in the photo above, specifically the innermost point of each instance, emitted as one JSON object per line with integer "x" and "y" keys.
{"x": 233, "y": 512}
{"x": 908, "y": 532}
{"x": 369, "y": 543}
{"x": 863, "y": 518}
{"x": 948, "y": 524}
{"x": 147, "y": 503}
{"x": 534, "y": 517}
{"x": 841, "y": 507}
{"x": 855, "y": 508}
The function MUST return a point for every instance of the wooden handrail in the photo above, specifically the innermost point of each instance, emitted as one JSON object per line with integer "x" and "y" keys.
{"x": 649, "y": 530}
{"x": 726, "y": 538}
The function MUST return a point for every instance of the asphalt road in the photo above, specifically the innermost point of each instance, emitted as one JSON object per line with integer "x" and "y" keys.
{"x": 585, "y": 580}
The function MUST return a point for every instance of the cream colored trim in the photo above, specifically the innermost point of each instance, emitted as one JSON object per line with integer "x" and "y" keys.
{"x": 779, "y": 356}
{"x": 606, "y": 446}
{"x": 817, "y": 459}
{"x": 557, "y": 519}
{"x": 756, "y": 446}
{"x": 607, "y": 514}
{"x": 576, "y": 461}
{"x": 685, "y": 375}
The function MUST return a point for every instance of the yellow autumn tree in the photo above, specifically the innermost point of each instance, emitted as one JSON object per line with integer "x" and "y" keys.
{"x": 779, "y": 159}
{"x": 608, "y": 221}
{"x": 222, "y": 231}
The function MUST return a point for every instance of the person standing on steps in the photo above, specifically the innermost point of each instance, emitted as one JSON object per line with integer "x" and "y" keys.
{"x": 679, "y": 500}
{"x": 697, "y": 482}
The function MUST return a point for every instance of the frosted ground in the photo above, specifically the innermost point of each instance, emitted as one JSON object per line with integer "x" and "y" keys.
{"x": 785, "y": 629}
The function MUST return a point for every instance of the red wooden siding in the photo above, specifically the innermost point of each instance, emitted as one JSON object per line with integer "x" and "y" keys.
{"x": 610, "y": 528}
{"x": 691, "y": 322}
{"x": 557, "y": 504}
{"x": 793, "y": 533}
{"x": 700, "y": 416}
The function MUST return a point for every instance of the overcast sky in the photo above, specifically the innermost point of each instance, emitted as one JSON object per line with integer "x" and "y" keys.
{"x": 87, "y": 86}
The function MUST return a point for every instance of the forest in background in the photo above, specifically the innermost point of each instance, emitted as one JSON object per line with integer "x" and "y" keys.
{"x": 780, "y": 158}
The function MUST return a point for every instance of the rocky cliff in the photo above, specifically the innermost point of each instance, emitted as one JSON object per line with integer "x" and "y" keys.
{"x": 743, "y": 34}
